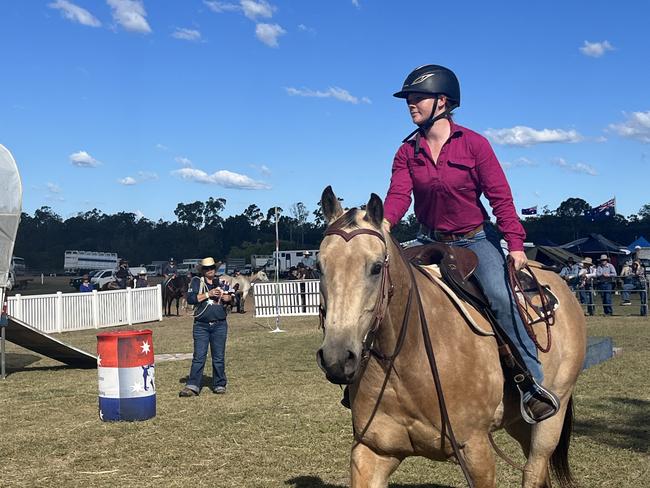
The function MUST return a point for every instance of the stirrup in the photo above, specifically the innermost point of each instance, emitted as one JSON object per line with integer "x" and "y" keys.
{"x": 541, "y": 394}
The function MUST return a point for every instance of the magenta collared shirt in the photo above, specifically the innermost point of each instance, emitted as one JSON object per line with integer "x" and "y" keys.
{"x": 447, "y": 192}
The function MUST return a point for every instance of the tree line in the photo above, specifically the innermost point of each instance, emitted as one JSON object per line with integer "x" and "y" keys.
{"x": 201, "y": 230}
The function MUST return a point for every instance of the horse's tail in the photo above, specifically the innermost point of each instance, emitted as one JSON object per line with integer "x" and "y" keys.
{"x": 560, "y": 457}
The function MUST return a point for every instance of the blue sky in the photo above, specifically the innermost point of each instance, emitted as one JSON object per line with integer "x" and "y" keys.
{"x": 135, "y": 106}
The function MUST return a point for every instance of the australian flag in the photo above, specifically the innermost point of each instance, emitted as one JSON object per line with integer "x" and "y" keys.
{"x": 604, "y": 211}
{"x": 529, "y": 211}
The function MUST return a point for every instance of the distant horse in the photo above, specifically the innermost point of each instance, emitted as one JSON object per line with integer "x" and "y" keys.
{"x": 393, "y": 327}
{"x": 174, "y": 289}
{"x": 115, "y": 285}
{"x": 244, "y": 283}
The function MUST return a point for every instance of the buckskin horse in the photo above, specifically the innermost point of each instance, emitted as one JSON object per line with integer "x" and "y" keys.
{"x": 175, "y": 289}
{"x": 393, "y": 328}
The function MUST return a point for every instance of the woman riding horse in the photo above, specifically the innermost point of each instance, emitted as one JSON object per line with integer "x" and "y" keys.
{"x": 448, "y": 168}
{"x": 394, "y": 329}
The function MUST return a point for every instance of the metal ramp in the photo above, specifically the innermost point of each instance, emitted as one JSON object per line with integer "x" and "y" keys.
{"x": 30, "y": 338}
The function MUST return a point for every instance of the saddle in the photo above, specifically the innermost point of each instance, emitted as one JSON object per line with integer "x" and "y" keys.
{"x": 457, "y": 266}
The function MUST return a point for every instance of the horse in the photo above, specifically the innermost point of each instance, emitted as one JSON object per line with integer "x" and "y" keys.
{"x": 244, "y": 283}
{"x": 380, "y": 338}
{"x": 174, "y": 289}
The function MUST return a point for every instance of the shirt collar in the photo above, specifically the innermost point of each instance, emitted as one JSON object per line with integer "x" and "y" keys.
{"x": 455, "y": 131}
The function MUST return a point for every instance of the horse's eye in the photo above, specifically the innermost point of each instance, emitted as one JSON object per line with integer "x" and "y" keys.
{"x": 376, "y": 269}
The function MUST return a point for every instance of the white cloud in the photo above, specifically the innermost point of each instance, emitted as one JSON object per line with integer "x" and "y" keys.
{"x": 53, "y": 188}
{"x": 356, "y": 3}
{"x": 332, "y": 92}
{"x": 269, "y": 33}
{"x": 186, "y": 34}
{"x": 220, "y": 7}
{"x": 575, "y": 167}
{"x": 224, "y": 178}
{"x": 596, "y": 49}
{"x": 304, "y": 28}
{"x": 636, "y": 126}
{"x": 161, "y": 147}
{"x": 82, "y": 159}
{"x": 75, "y": 13}
{"x": 183, "y": 161}
{"x": 128, "y": 181}
{"x": 526, "y": 136}
{"x": 131, "y": 15}
{"x": 265, "y": 170}
{"x": 142, "y": 176}
{"x": 518, "y": 163}
{"x": 253, "y": 10}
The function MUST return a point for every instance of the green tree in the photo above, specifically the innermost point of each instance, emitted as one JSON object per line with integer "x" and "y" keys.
{"x": 254, "y": 215}
{"x": 211, "y": 212}
{"x": 190, "y": 214}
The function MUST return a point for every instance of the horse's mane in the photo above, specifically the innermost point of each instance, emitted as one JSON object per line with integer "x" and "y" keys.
{"x": 347, "y": 220}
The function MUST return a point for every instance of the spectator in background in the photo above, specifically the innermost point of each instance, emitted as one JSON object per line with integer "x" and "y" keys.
{"x": 85, "y": 284}
{"x": 605, "y": 277}
{"x": 628, "y": 282}
{"x": 123, "y": 274}
{"x": 237, "y": 294}
{"x": 586, "y": 278}
{"x": 141, "y": 281}
{"x": 570, "y": 273}
{"x": 640, "y": 283}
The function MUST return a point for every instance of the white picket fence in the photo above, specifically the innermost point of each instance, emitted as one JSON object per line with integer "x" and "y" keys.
{"x": 288, "y": 298}
{"x": 62, "y": 312}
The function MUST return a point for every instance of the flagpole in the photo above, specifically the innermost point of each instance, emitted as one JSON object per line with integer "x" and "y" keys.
{"x": 277, "y": 276}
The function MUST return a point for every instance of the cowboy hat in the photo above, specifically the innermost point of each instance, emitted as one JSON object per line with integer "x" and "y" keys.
{"x": 142, "y": 272}
{"x": 587, "y": 261}
{"x": 206, "y": 264}
{"x": 603, "y": 257}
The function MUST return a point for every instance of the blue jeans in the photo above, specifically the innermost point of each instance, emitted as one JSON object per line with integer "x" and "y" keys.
{"x": 213, "y": 334}
{"x": 606, "y": 294}
{"x": 587, "y": 298}
{"x": 627, "y": 286}
{"x": 492, "y": 276}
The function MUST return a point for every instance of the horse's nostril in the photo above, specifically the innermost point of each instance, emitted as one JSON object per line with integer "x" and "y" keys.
{"x": 351, "y": 356}
{"x": 319, "y": 357}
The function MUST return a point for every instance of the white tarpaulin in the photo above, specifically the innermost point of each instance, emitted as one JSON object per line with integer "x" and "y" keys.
{"x": 11, "y": 199}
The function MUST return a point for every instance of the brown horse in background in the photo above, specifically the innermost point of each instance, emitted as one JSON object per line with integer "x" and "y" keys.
{"x": 174, "y": 289}
{"x": 396, "y": 411}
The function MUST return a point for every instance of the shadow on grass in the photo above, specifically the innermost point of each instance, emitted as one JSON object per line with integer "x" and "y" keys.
{"x": 17, "y": 362}
{"x": 627, "y": 428}
{"x": 316, "y": 482}
{"x": 206, "y": 381}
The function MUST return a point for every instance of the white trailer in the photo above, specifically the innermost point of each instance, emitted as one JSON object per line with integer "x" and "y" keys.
{"x": 78, "y": 261}
{"x": 289, "y": 259}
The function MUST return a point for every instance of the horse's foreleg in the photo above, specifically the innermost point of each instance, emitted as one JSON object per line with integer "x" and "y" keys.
{"x": 479, "y": 459}
{"x": 369, "y": 469}
{"x": 178, "y": 299}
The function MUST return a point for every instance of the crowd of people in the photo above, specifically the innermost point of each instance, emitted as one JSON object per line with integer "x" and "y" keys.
{"x": 588, "y": 279}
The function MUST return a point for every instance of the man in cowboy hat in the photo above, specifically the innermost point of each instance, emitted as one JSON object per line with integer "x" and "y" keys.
{"x": 210, "y": 329}
{"x": 586, "y": 284}
{"x": 605, "y": 275}
{"x": 141, "y": 281}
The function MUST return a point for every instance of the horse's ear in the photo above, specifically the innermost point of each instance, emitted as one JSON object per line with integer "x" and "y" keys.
{"x": 374, "y": 210}
{"x": 330, "y": 205}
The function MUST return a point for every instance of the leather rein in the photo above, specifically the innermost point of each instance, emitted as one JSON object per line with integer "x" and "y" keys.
{"x": 381, "y": 307}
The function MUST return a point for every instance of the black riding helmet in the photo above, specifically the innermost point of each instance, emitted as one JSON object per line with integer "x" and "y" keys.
{"x": 435, "y": 80}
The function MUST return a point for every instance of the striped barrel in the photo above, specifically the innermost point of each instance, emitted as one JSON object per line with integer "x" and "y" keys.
{"x": 125, "y": 364}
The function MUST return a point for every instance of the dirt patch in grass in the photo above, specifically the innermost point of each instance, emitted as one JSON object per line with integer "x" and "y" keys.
{"x": 280, "y": 424}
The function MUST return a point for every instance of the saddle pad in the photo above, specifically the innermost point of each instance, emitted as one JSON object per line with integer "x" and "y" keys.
{"x": 470, "y": 314}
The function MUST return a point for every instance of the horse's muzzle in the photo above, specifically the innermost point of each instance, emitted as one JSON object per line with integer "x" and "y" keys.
{"x": 339, "y": 364}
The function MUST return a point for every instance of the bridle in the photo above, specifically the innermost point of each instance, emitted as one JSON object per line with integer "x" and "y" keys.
{"x": 384, "y": 296}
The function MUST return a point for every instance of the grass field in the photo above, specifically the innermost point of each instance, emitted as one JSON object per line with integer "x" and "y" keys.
{"x": 280, "y": 424}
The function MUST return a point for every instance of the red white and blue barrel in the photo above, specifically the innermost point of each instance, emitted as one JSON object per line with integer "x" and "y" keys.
{"x": 127, "y": 386}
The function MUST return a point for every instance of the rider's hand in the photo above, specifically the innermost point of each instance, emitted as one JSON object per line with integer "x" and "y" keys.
{"x": 519, "y": 259}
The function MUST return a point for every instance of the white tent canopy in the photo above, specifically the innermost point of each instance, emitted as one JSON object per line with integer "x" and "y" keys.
{"x": 11, "y": 198}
